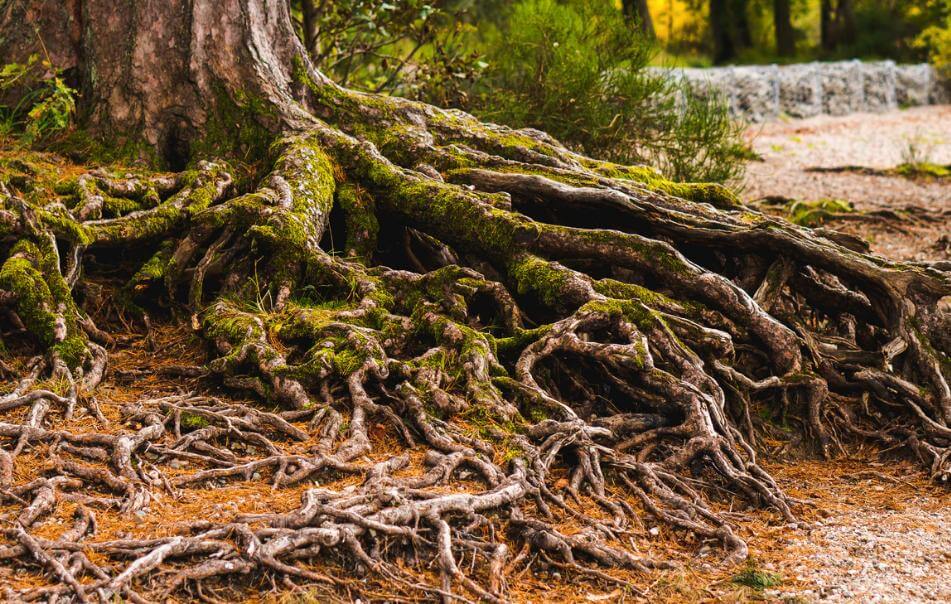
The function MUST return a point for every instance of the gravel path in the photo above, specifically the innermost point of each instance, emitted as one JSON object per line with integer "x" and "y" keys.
{"x": 869, "y": 553}
{"x": 870, "y": 140}
{"x": 879, "y": 556}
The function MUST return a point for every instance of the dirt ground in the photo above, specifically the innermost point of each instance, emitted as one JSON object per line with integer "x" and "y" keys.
{"x": 869, "y": 528}
{"x": 921, "y": 134}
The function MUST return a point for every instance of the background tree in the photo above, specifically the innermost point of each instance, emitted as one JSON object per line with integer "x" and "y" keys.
{"x": 640, "y": 11}
{"x": 783, "y": 28}
{"x": 837, "y": 23}
{"x": 724, "y": 49}
{"x": 730, "y": 29}
{"x": 538, "y": 331}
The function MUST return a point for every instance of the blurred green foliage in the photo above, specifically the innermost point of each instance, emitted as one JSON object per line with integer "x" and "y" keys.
{"x": 936, "y": 39}
{"x": 46, "y": 106}
{"x": 579, "y": 71}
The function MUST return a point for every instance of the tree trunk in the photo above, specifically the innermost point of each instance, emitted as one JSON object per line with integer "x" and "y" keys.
{"x": 639, "y": 10}
{"x": 837, "y": 23}
{"x": 825, "y": 24}
{"x": 845, "y": 18}
{"x": 785, "y": 35}
{"x": 172, "y": 91}
{"x": 310, "y": 15}
{"x": 478, "y": 331}
{"x": 724, "y": 49}
{"x": 739, "y": 10}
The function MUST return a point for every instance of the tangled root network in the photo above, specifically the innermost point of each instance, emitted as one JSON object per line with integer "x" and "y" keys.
{"x": 489, "y": 333}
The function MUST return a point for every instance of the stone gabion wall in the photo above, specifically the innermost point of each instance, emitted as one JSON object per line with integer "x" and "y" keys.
{"x": 763, "y": 92}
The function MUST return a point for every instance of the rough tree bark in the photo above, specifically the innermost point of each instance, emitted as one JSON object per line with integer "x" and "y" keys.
{"x": 539, "y": 328}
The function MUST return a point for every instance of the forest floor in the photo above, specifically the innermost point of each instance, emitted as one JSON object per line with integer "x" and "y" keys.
{"x": 791, "y": 150}
{"x": 870, "y": 527}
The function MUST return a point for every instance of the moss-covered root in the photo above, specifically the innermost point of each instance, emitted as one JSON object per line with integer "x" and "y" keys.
{"x": 44, "y": 302}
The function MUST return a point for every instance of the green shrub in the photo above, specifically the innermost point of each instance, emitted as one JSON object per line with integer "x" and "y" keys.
{"x": 45, "y": 109}
{"x": 575, "y": 69}
{"x": 580, "y": 71}
{"x": 936, "y": 40}
{"x": 387, "y": 46}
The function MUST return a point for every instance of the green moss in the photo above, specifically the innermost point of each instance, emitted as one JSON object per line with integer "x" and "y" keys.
{"x": 486, "y": 423}
{"x": 814, "y": 213}
{"x": 80, "y": 145}
{"x": 199, "y": 190}
{"x": 117, "y": 206}
{"x": 240, "y": 128}
{"x": 456, "y": 216}
{"x": 623, "y": 290}
{"x": 155, "y": 267}
{"x": 193, "y": 421}
{"x": 309, "y": 175}
{"x": 227, "y": 321}
{"x": 715, "y": 194}
{"x": 521, "y": 338}
{"x": 72, "y": 350}
{"x": 43, "y": 298}
{"x": 362, "y": 225}
{"x": 532, "y": 274}
{"x": 348, "y": 361}
{"x": 923, "y": 170}
{"x": 35, "y": 304}
{"x": 64, "y": 226}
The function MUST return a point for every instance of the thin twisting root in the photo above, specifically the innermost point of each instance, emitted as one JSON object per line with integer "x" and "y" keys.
{"x": 546, "y": 336}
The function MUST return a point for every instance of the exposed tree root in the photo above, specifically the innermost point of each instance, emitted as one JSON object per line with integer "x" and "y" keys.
{"x": 542, "y": 328}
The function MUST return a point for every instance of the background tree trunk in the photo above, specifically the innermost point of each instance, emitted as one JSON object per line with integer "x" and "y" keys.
{"x": 721, "y": 26}
{"x": 310, "y": 16}
{"x": 785, "y": 34}
{"x": 638, "y": 9}
{"x": 825, "y": 24}
{"x": 845, "y": 16}
{"x": 837, "y": 24}
{"x": 743, "y": 33}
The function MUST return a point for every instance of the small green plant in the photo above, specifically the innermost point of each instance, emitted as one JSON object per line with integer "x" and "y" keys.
{"x": 815, "y": 213}
{"x": 754, "y": 577}
{"x": 917, "y": 150}
{"x": 47, "y": 107}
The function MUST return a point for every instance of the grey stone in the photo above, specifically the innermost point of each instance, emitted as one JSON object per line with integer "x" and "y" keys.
{"x": 764, "y": 92}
